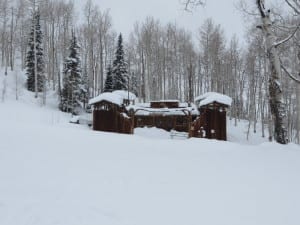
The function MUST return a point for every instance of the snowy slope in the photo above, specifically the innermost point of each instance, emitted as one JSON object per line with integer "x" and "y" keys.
{"x": 56, "y": 173}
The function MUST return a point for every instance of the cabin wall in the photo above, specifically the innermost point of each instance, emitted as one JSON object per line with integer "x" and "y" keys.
{"x": 211, "y": 123}
{"x": 215, "y": 123}
{"x": 171, "y": 122}
{"x": 108, "y": 117}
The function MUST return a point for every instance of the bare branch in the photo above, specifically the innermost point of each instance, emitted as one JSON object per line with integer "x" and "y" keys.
{"x": 287, "y": 38}
{"x": 261, "y": 8}
{"x": 296, "y": 2}
{"x": 290, "y": 75}
{"x": 284, "y": 28}
{"x": 192, "y": 4}
{"x": 244, "y": 8}
{"x": 292, "y": 6}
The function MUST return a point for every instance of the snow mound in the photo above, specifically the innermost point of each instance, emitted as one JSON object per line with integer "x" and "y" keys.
{"x": 152, "y": 132}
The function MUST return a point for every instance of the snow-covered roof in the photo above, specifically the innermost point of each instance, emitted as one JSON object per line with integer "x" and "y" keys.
{"x": 107, "y": 96}
{"x": 124, "y": 94}
{"x": 211, "y": 97}
{"x": 115, "y": 97}
{"x": 143, "y": 110}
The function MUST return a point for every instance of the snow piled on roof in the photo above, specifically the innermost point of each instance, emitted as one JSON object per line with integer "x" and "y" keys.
{"x": 145, "y": 110}
{"x": 115, "y": 97}
{"x": 107, "y": 96}
{"x": 211, "y": 97}
{"x": 124, "y": 94}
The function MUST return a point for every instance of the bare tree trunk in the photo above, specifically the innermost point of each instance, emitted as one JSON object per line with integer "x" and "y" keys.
{"x": 4, "y": 85}
{"x": 143, "y": 86}
{"x": 35, "y": 60}
{"x": 11, "y": 40}
{"x": 3, "y": 35}
{"x": 101, "y": 66}
{"x": 17, "y": 85}
{"x": 53, "y": 54}
{"x": 190, "y": 83}
{"x": 275, "y": 93}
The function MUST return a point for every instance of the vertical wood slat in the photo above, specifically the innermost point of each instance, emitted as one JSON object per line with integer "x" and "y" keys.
{"x": 108, "y": 117}
{"x": 213, "y": 120}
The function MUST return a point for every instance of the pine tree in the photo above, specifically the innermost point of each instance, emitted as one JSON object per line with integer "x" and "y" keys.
{"x": 73, "y": 86}
{"x": 119, "y": 71}
{"x": 35, "y": 49}
{"x": 109, "y": 82}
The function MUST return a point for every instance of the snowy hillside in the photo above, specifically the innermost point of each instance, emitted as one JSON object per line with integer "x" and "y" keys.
{"x": 56, "y": 173}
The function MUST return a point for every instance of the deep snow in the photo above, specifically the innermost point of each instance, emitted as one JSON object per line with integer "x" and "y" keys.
{"x": 53, "y": 172}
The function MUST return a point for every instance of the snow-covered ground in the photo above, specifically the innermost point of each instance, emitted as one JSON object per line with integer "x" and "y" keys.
{"x": 53, "y": 172}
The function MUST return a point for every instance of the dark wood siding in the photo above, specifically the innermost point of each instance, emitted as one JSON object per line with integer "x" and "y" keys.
{"x": 164, "y": 104}
{"x": 211, "y": 123}
{"x": 109, "y": 117}
{"x": 170, "y": 122}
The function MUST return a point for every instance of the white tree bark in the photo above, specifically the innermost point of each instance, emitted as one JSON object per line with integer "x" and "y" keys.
{"x": 275, "y": 93}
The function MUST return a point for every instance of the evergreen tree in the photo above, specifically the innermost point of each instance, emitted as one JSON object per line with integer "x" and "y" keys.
{"x": 35, "y": 48}
{"x": 73, "y": 85}
{"x": 119, "y": 71}
{"x": 109, "y": 82}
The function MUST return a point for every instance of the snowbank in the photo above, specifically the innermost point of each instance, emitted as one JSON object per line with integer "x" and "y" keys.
{"x": 59, "y": 173}
{"x": 55, "y": 172}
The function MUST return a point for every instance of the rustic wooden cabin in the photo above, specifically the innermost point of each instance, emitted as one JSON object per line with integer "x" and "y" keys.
{"x": 116, "y": 112}
{"x": 109, "y": 114}
{"x": 211, "y": 123}
{"x": 164, "y": 114}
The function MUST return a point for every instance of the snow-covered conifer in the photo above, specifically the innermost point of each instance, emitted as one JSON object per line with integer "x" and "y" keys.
{"x": 35, "y": 49}
{"x": 109, "y": 82}
{"x": 72, "y": 86}
{"x": 119, "y": 70}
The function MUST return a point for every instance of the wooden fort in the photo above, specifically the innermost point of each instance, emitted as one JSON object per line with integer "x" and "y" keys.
{"x": 109, "y": 112}
{"x": 116, "y": 112}
{"x": 211, "y": 122}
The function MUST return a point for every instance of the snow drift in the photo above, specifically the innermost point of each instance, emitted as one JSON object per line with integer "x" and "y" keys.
{"x": 56, "y": 173}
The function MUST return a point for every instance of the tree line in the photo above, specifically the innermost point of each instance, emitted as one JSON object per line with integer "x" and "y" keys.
{"x": 161, "y": 61}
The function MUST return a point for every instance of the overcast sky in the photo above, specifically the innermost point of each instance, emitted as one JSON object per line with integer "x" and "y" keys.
{"x": 126, "y": 12}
